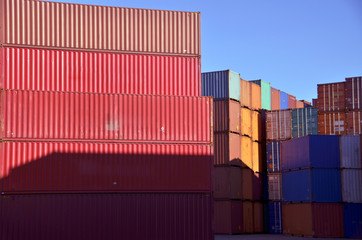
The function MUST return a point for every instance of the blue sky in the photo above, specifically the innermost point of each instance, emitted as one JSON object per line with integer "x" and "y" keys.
{"x": 293, "y": 44}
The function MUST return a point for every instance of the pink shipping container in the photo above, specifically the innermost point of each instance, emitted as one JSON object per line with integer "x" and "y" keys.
{"x": 275, "y": 98}
{"x": 331, "y": 97}
{"x": 292, "y": 101}
{"x": 61, "y": 167}
{"x": 66, "y": 25}
{"x": 278, "y": 125}
{"x": 76, "y": 71}
{"x": 228, "y": 217}
{"x": 354, "y": 93}
{"x": 179, "y": 216}
{"x": 107, "y": 117}
{"x": 227, "y": 116}
{"x": 227, "y": 149}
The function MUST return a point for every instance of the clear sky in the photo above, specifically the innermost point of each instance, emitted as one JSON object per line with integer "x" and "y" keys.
{"x": 293, "y": 44}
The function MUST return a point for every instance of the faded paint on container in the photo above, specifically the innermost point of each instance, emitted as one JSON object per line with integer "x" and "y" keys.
{"x": 353, "y": 93}
{"x": 256, "y": 126}
{"x": 62, "y": 167}
{"x": 107, "y": 216}
{"x": 299, "y": 104}
{"x": 304, "y": 122}
{"x": 273, "y": 156}
{"x": 227, "y": 182}
{"x": 352, "y": 219}
{"x": 354, "y": 122}
{"x": 265, "y": 94}
{"x": 350, "y": 149}
{"x": 228, "y": 217}
{"x": 99, "y": 72}
{"x": 227, "y": 149}
{"x": 258, "y": 217}
{"x": 255, "y": 96}
{"x": 246, "y": 152}
{"x": 331, "y": 97}
{"x": 100, "y": 28}
{"x": 65, "y": 116}
{"x": 284, "y": 100}
{"x": 351, "y": 185}
{"x": 245, "y": 93}
{"x": 257, "y": 164}
{"x": 312, "y": 185}
{"x": 332, "y": 123}
{"x": 275, "y": 98}
{"x": 315, "y": 151}
{"x": 275, "y": 186}
{"x": 248, "y": 217}
{"x": 292, "y": 101}
{"x": 247, "y": 183}
{"x": 275, "y": 217}
{"x": 221, "y": 85}
{"x": 246, "y": 122}
{"x": 278, "y": 125}
{"x": 313, "y": 219}
{"x": 227, "y": 116}
{"x": 257, "y": 186}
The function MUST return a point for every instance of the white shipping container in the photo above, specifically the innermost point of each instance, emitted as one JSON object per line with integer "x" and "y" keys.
{"x": 352, "y": 185}
{"x": 275, "y": 186}
{"x": 350, "y": 150}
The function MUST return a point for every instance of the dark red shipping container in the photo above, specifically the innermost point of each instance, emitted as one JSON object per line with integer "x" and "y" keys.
{"x": 228, "y": 217}
{"x": 275, "y": 98}
{"x": 104, "y": 117}
{"x": 354, "y": 93}
{"x": 332, "y": 123}
{"x": 354, "y": 122}
{"x": 227, "y": 182}
{"x": 62, "y": 167}
{"x": 292, "y": 101}
{"x": 77, "y": 71}
{"x": 331, "y": 97}
{"x": 278, "y": 125}
{"x": 178, "y": 216}
{"x": 314, "y": 101}
{"x": 227, "y": 116}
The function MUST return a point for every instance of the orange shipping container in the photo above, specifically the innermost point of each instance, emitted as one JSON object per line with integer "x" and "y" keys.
{"x": 248, "y": 217}
{"x": 354, "y": 122}
{"x": 256, "y": 126}
{"x": 247, "y": 184}
{"x": 245, "y": 93}
{"x": 227, "y": 182}
{"x": 255, "y": 90}
{"x": 246, "y": 152}
{"x": 227, "y": 149}
{"x": 275, "y": 98}
{"x": 332, "y": 123}
{"x": 227, "y": 116}
{"x": 258, "y": 217}
{"x": 256, "y": 157}
{"x": 246, "y": 122}
{"x": 299, "y": 104}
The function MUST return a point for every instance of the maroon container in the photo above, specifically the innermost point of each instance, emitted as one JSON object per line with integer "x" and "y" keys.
{"x": 104, "y": 117}
{"x": 332, "y": 123}
{"x": 258, "y": 217}
{"x": 275, "y": 98}
{"x": 257, "y": 186}
{"x": 354, "y": 122}
{"x": 278, "y": 125}
{"x": 331, "y": 97}
{"x": 227, "y": 149}
{"x": 227, "y": 182}
{"x": 60, "y": 167}
{"x": 292, "y": 101}
{"x": 176, "y": 216}
{"x": 314, "y": 101}
{"x": 77, "y": 71}
{"x": 228, "y": 217}
{"x": 354, "y": 93}
{"x": 227, "y": 116}
{"x": 247, "y": 175}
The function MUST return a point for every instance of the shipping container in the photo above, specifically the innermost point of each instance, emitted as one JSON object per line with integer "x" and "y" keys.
{"x": 284, "y": 100}
{"x": 299, "y": 104}
{"x": 314, "y": 102}
{"x": 278, "y": 125}
{"x": 99, "y": 72}
{"x": 227, "y": 149}
{"x": 265, "y": 189}
{"x": 227, "y": 182}
{"x": 275, "y": 98}
{"x": 354, "y": 122}
{"x": 312, "y": 185}
{"x": 332, "y": 123}
{"x": 65, "y": 116}
{"x": 246, "y": 152}
{"x": 265, "y": 94}
{"x": 315, "y": 151}
{"x": 306, "y": 103}
{"x": 324, "y": 220}
{"x": 107, "y": 216}
{"x": 258, "y": 217}
{"x": 331, "y": 97}
{"x": 350, "y": 149}
{"x": 275, "y": 186}
{"x": 247, "y": 183}
{"x": 227, "y": 116}
{"x": 228, "y": 217}
{"x": 351, "y": 185}
{"x": 221, "y": 85}
{"x": 246, "y": 122}
{"x": 273, "y": 156}
{"x": 245, "y": 93}
{"x": 255, "y": 91}
{"x": 257, "y": 159}
{"x": 292, "y": 101}
{"x": 99, "y": 28}
{"x": 275, "y": 217}
{"x": 304, "y": 122}
{"x": 61, "y": 167}
{"x": 352, "y": 219}
{"x": 353, "y": 93}
{"x": 256, "y": 126}
{"x": 257, "y": 186}
{"x": 248, "y": 217}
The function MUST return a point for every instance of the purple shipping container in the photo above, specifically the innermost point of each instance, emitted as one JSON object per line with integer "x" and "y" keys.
{"x": 350, "y": 148}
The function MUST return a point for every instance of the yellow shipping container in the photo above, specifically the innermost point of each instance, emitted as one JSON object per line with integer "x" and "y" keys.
{"x": 255, "y": 126}
{"x": 246, "y": 126}
{"x": 256, "y": 163}
{"x": 246, "y": 151}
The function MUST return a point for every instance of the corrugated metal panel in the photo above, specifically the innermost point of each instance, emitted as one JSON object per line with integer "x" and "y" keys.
{"x": 304, "y": 122}
{"x": 67, "y": 25}
{"x": 351, "y": 185}
{"x": 275, "y": 98}
{"x": 312, "y": 185}
{"x": 297, "y": 219}
{"x": 316, "y": 151}
{"x": 74, "y": 71}
{"x": 275, "y": 186}
{"x": 248, "y": 217}
{"x": 255, "y": 96}
{"x": 107, "y": 216}
{"x": 257, "y": 164}
{"x": 227, "y": 149}
{"x": 292, "y": 101}
{"x": 247, "y": 183}
{"x": 228, "y": 217}
{"x": 258, "y": 217}
{"x": 256, "y": 126}
{"x": 352, "y": 219}
{"x": 33, "y": 167}
{"x": 221, "y": 85}
{"x": 354, "y": 93}
{"x": 115, "y": 117}
{"x": 265, "y": 94}
{"x": 354, "y": 122}
{"x": 275, "y": 217}
{"x": 350, "y": 149}
{"x": 227, "y": 182}
{"x": 332, "y": 123}
{"x": 284, "y": 100}
{"x": 246, "y": 122}
{"x": 245, "y": 93}
{"x": 331, "y": 97}
{"x": 273, "y": 156}
{"x": 278, "y": 125}
{"x": 257, "y": 186}
{"x": 327, "y": 220}
{"x": 227, "y": 116}
{"x": 246, "y": 152}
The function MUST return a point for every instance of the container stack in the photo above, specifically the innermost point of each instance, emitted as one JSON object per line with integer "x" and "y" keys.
{"x": 104, "y": 132}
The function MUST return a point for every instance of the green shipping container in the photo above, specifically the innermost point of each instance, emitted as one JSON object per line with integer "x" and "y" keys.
{"x": 265, "y": 94}
{"x": 304, "y": 122}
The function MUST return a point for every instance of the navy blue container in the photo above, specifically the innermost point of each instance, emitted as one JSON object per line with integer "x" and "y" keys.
{"x": 273, "y": 156}
{"x": 275, "y": 217}
{"x": 284, "y": 100}
{"x": 265, "y": 187}
{"x": 317, "y": 151}
{"x": 266, "y": 216}
{"x": 352, "y": 220}
{"x": 312, "y": 185}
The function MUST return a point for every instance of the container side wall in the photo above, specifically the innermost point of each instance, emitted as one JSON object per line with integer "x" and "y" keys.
{"x": 246, "y": 122}
{"x": 353, "y": 93}
{"x": 275, "y": 186}
{"x": 284, "y": 100}
{"x": 351, "y": 185}
{"x": 234, "y": 85}
{"x": 292, "y": 101}
{"x": 275, "y": 217}
{"x": 350, "y": 148}
{"x": 273, "y": 156}
{"x": 354, "y": 122}
{"x": 275, "y": 98}
{"x": 327, "y": 220}
{"x": 352, "y": 219}
{"x": 331, "y": 97}
{"x": 332, "y": 123}
{"x": 297, "y": 219}
{"x": 215, "y": 84}
{"x": 326, "y": 185}
{"x": 246, "y": 152}
{"x": 245, "y": 94}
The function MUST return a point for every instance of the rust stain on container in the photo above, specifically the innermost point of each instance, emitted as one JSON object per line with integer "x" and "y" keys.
{"x": 278, "y": 125}
{"x": 228, "y": 216}
{"x": 255, "y": 90}
{"x": 246, "y": 151}
{"x": 256, "y": 126}
{"x": 227, "y": 116}
{"x": 332, "y": 123}
{"x": 354, "y": 122}
{"x": 246, "y": 122}
{"x": 245, "y": 93}
{"x": 275, "y": 98}
{"x": 227, "y": 182}
{"x": 331, "y": 97}
{"x": 227, "y": 149}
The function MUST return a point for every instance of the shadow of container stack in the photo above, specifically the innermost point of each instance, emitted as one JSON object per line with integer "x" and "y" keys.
{"x": 88, "y": 151}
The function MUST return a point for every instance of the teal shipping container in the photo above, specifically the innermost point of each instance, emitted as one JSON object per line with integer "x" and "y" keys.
{"x": 304, "y": 122}
{"x": 265, "y": 94}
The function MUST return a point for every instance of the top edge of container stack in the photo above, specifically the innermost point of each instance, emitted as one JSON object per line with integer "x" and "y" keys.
{"x": 44, "y": 24}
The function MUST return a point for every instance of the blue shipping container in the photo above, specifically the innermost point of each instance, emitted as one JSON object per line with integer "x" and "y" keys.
{"x": 352, "y": 220}
{"x": 312, "y": 185}
{"x": 304, "y": 122}
{"x": 284, "y": 100}
{"x": 273, "y": 156}
{"x": 221, "y": 85}
{"x": 317, "y": 151}
{"x": 275, "y": 217}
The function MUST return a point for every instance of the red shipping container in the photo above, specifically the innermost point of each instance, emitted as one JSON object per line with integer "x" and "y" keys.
{"x": 99, "y": 28}
{"x": 107, "y": 216}
{"x": 299, "y": 104}
{"x": 247, "y": 175}
{"x": 278, "y": 125}
{"x": 228, "y": 217}
{"x": 292, "y": 101}
{"x": 227, "y": 182}
{"x": 227, "y": 116}
{"x": 354, "y": 93}
{"x": 248, "y": 217}
{"x": 61, "y": 167}
{"x": 354, "y": 122}
{"x": 332, "y": 123}
{"x": 331, "y": 97}
{"x": 107, "y": 117}
{"x": 258, "y": 217}
{"x": 227, "y": 149}
{"x": 77, "y": 71}
{"x": 314, "y": 101}
{"x": 275, "y": 98}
